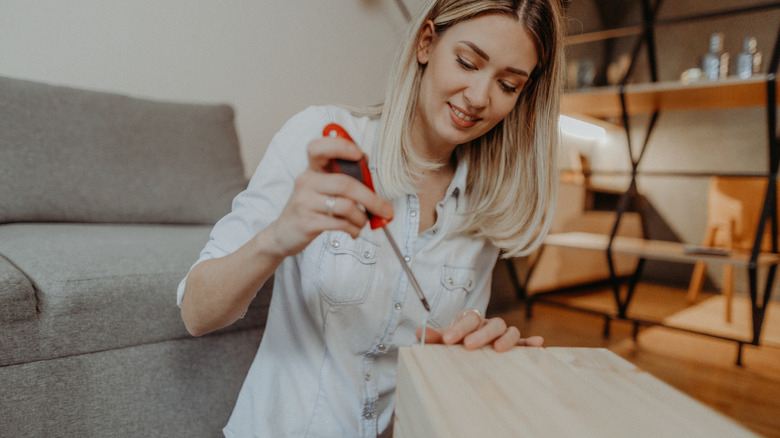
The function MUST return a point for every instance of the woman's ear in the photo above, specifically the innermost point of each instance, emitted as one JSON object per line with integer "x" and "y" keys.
{"x": 424, "y": 41}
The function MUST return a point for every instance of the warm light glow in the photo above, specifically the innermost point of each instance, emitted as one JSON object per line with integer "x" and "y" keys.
{"x": 581, "y": 129}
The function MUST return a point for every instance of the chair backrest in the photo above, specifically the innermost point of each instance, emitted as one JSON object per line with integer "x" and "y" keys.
{"x": 740, "y": 200}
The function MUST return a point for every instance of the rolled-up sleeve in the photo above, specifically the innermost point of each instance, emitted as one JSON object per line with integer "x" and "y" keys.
{"x": 268, "y": 190}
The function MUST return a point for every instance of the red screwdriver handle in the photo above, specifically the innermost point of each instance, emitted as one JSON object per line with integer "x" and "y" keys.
{"x": 356, "y": 169}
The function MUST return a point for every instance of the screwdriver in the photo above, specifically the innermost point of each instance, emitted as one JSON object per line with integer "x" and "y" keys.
{"x": 359, "y": 170}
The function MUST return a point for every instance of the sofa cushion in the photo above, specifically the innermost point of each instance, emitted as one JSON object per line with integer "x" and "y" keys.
{"x": 181, "y": 388}
{"x": 103, "y": 286}
{"x": 70, "y": 155}
{"x": 17, "y": 298}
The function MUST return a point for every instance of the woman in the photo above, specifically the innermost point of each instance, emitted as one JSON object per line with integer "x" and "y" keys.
{"x": 463, "y": 149}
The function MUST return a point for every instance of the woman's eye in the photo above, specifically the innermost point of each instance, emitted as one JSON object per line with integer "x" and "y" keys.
{"x": 465, "y": 64}
{"x": 508, "y": 88}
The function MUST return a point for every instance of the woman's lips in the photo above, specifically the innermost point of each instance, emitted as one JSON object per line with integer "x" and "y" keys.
{"x": 462, "y": 118}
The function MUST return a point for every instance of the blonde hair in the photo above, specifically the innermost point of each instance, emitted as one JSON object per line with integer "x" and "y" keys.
{"x": 512, "y": 180}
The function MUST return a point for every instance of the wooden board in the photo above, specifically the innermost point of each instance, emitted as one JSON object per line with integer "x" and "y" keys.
{"x": 667, "y": 96}
{"x": 708, "y": 316}
{"x": 653, "y": 249}
{"x": 447, "y": 391}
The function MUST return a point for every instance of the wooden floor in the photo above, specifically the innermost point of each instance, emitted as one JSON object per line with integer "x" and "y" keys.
{"x": 701, "y": 366}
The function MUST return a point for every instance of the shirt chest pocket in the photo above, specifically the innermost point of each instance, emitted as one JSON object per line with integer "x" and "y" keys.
{"x": 346, "y": 268}
{"x": 455, "y": 285}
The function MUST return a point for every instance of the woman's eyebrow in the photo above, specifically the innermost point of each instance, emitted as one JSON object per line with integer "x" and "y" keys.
{"x": 481, "y": 53}
{"x": 518, "y": 72}
{"x": 476, "y": 50}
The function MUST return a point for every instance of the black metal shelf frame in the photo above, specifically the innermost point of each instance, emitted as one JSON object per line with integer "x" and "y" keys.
{"x": 631, "y": 197}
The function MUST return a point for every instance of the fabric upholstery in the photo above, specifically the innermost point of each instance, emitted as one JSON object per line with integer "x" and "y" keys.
{"x": 103, "y": 286}
{"x": 105, "y": 203}
{"x": 181, "y": 388}
{"x": 86, "y": 156}
{"x": 16, "y": 294}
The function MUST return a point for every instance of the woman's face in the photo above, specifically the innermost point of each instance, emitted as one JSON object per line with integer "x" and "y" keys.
{"x": 474, "y": 73}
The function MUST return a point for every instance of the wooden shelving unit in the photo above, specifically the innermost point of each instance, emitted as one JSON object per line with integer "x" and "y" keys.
{"x": 667, "y": 96}
{"x": 626, "y": 100}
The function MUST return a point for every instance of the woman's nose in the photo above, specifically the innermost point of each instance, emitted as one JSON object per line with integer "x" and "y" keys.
{"x": 477, "y": 94}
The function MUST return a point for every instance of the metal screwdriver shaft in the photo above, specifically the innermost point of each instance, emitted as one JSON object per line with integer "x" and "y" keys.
{"x": 407, "y": 269}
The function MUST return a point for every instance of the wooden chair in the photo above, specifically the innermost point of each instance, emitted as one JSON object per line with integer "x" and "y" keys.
{"x": 733, "y": 212}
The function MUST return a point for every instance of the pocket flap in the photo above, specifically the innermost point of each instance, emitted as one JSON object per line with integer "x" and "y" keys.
{"x": 361, "y": 248}
{"x": 457, "y": 278}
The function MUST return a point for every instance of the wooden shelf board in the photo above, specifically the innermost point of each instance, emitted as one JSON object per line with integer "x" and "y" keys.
{"x": 653, "y": 249}
{"x": 601, "y": 35}
{"x": 667, "y": 96}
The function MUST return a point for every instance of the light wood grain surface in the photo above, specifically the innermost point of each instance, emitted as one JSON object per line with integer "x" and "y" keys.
{"x": 653, "y": 249}
{"x": 667, "y": 96}
{"x": 447, "y": 391}
{"x": 700, "y": 366}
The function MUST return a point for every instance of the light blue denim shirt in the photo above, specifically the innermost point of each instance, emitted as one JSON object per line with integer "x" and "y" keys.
{"x": 326, "y": 366}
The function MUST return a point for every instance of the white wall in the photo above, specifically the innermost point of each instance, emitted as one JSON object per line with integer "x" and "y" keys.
{"x": 268, "y": 58}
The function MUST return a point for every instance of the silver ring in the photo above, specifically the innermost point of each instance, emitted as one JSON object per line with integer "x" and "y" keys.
{"x": 330, "y": 203}
{"x": 467, "y": 311}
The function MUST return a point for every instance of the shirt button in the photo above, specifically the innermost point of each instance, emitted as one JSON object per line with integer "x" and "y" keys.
{"x": 368, "y": 377}
{"x": 381, "y": 347}
{"x": 367, "y": 254}
{"x": 435, "y": 230}
{"x": 413, "y": 213}
{"x": 398, "y": 306}
{"x": 407, "y": 259}
{"x": 369, "y": 415}
{"x": 335, "y": 244}
{"x": 451, "y": 281}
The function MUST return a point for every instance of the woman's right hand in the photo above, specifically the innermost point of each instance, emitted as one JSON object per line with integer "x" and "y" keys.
{"x": 238, "y": 276}
{"x": 325, "y": 201}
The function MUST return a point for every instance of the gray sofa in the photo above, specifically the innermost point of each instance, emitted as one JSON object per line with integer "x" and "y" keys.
{"x": 105, "y": 202}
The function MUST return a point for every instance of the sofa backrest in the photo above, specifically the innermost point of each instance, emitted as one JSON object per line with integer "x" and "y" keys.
{"x": 70, "y": 155}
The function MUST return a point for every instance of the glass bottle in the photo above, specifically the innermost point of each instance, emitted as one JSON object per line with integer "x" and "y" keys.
{"x": 715, "y": 63}
{"x": 749, "y": 60}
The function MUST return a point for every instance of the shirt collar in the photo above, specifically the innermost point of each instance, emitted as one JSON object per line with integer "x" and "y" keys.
{"x": 458, "y": 183}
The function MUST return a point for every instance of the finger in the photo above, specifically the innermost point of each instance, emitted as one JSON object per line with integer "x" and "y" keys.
{"x": 345, "y": 186}
{"x": 432, "y": 336}
{"x": 322, "y": 150}
{"x": 336, "y": 224}
{"x": 462, "y": 327}
{"x": 493, "y": 329}
{"x": 330, "y": 205}
{"x": 533, "y": 341}
{"x": 360, "y": 199}
{"x": 312, "y": 212}
{"x": 313, "y": 225}
{"x": 341, "y": 208}
{"x": 508, "y": 340}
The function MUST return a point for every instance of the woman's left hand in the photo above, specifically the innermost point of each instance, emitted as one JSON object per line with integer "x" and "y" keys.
{"x": 474, "y": 331}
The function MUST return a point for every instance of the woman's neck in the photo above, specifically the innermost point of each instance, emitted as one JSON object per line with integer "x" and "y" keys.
{"x": 430, "y": 148}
